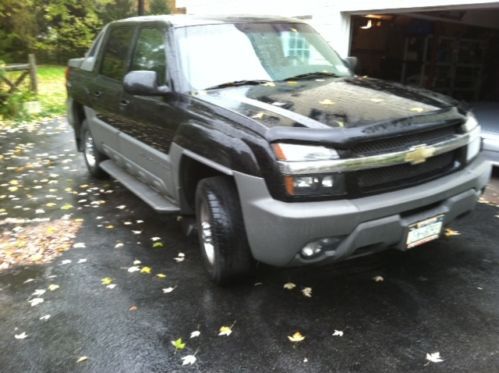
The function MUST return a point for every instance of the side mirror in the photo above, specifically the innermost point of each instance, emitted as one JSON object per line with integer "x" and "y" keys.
{"x": 351, "y": 62}
{"x": 143, "y": 83}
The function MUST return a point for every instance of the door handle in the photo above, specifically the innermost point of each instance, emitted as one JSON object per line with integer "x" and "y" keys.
{"x": 124, "y": 103}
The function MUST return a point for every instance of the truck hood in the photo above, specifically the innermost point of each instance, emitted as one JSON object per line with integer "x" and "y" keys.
{"x": 352, "y": 107}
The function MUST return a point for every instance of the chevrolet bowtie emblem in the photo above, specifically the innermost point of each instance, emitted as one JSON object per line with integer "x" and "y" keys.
{"x": 419, "y": 154}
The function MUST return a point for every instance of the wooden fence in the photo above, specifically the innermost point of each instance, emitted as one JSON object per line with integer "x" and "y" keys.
{"x": 28, "y": 69}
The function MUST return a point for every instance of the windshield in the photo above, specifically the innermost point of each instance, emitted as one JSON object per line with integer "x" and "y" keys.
{"x": 213, "y": 55}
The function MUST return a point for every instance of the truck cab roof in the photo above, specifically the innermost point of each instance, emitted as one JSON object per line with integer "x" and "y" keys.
{"x": 182, "y": 20}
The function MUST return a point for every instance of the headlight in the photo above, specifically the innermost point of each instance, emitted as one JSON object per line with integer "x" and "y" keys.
{"x": 471, "y": 122}
{"x": 314, "y": 184}
{"x": 472, "y": 127}
{"x": 300, "y": 153}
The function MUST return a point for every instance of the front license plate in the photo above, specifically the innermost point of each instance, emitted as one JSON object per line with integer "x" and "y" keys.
{"x": 424, "y": 231}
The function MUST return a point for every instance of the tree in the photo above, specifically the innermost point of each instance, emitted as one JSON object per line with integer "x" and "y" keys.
{"x": 159, "y": 7}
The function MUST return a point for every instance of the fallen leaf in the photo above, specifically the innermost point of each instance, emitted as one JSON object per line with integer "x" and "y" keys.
{"x": 195, "y": 334}
{"x": 133, "y": 269}
{"x": 161, "y": 275}
{"x": 188, "y": 360}
{"x": 417, "y": 109}
{"x": 81, "y": 359}
{"x": 66, "y": 261}
{"x": 338, "y": 333}
{"x": 111, "y": 286}
{"x": 378, "y": 279}
{"x": 178, "y": 344}
{"x": 326, "y": 102}
{"x": 225, "y": 330}
{"x": 53, "y": 287}
{"x": 451, "y": 232}
{"x": 45, "y": 317}
{"x": 154, "y": 239}
{"x": 79, "y": 245}
{"x": 157, "y": 245}
{"x": 107, "y": 281}
{"x": 121, "y": 207}
{"x": 66, "y": 206}
{"x": 82, "y": 260}
{"x": 434, "y": 357}
{"x": 296, "y": 337}
{"x": 38, "y": 292}
{"x": 35, "y": 301}
{"x": 289, "y": 286}
{"x": 146, "y": 270}
{"x": 168, "y": 290}
{"x": 118, "y": 245}
{"x": 23, "y": 335}
{"x": 307, "y": 292}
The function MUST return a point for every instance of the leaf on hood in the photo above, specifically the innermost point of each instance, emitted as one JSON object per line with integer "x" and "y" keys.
{"x": 289, "y": 286}
{"x": 106, "y": 281}
{"x": 178, "y": 344}
{"x": 296, "y": 337}
{"x": 188, "y": 360}
{"x": 434, "y": 357}
{"x": 417, "y": 109}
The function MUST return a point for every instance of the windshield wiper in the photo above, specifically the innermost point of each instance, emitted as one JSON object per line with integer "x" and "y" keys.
{"x": 317, "y": 74}
{"x": 238, "y": 83}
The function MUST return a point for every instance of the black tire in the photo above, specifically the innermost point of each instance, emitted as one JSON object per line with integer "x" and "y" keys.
{"x": 217, "y": 203}
{"x": 89, "y": 150}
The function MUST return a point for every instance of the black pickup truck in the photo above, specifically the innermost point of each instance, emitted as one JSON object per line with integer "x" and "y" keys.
{"x": 256, "y": 128}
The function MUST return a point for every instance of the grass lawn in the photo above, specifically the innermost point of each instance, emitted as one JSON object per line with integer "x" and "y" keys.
{"x": 51, "y": 90}
{"x": 51, "y": 96}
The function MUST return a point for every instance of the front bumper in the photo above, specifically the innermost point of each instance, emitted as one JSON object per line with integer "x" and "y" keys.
{"x": 277, "y": 230}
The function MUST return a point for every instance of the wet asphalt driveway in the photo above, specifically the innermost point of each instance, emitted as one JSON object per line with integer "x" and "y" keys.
{"x": 102, "y": 306}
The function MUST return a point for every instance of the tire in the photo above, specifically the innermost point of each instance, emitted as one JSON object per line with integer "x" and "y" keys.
{"x": 222, "y": 236}
{"x": 92, "y": 156}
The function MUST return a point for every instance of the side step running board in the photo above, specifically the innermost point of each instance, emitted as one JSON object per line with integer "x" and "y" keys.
{"x": 144, "y": 192}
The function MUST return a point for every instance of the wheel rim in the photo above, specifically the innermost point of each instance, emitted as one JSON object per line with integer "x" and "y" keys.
{"x": 206, "y": 234}
{"x": 90, "y": 150}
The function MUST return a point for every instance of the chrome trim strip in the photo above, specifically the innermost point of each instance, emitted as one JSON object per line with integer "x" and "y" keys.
{"x": 370, "y": 162}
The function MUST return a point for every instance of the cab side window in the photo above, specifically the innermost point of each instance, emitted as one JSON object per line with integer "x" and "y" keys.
{"x": 149, "y": 52}
{"x": 114, "y": 62}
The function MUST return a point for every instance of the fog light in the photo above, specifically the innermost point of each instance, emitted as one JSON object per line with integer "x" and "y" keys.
{"x": 311, "y": 249}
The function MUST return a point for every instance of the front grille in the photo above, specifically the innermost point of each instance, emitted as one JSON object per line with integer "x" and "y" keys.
{"x": 388, "y": 178}
{"x": 401, "y": 143}
{"x": 404, "y": 175}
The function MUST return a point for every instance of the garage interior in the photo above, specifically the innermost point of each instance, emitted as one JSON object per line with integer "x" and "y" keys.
{"x": 454, "y": 52}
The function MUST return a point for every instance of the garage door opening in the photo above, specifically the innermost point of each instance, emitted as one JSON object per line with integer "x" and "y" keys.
{"x": 452, "y": 52}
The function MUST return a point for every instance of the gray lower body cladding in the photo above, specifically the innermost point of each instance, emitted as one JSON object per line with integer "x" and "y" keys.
{"x": 277, "y": 230}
